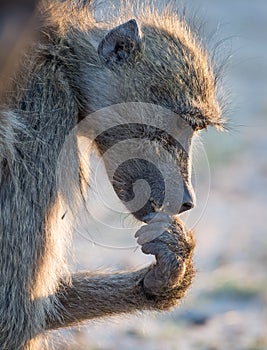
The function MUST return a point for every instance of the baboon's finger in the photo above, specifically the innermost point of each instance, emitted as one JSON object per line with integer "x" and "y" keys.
{"x": 157, "y": 227}
{"x": 158, "y": 217}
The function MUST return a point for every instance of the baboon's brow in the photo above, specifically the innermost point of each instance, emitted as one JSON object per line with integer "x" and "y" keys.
{"x": 128, "y": 131}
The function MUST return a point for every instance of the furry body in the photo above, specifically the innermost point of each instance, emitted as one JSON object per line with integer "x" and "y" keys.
{"x": 62, "y": 77}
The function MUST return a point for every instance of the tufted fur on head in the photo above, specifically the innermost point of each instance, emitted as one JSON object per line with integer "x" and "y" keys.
{"x": 171, "y": 66}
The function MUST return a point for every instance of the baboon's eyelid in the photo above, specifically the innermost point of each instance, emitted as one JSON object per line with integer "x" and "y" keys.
{"x": 196, "y": 126}
{"x": 199, "y": 127}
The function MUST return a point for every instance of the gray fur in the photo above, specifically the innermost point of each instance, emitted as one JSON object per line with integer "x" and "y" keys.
{"x": 61, "y": 79}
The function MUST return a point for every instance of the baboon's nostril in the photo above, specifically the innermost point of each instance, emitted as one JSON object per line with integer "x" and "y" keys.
{"x": 186, "y": 206}
{"x": 188, "y": 199}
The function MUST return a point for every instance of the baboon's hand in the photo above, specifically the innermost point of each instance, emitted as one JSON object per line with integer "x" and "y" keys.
{"x": 167, "y": 239}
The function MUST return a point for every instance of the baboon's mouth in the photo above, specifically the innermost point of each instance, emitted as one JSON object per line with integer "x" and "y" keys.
{"x": 148, "y": 217}
{"x": 140, "y": 186}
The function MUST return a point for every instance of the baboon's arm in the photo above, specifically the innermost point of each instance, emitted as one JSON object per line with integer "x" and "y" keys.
{"x": 90, "y": 296}
{"x": 158, "y": 287}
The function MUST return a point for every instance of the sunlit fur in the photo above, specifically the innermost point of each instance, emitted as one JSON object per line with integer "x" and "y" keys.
{"x": 173, "y": 70}
{"x": 61, "y": 80}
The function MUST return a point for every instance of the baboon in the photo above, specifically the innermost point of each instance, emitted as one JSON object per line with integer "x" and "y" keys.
{"x": 76, "y": 66}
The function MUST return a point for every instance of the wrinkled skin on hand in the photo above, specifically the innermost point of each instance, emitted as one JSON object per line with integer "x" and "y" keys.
{"x": 170, "y": 276}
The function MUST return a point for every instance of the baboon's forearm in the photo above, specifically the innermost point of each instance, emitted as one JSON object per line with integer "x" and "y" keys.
{"x": 159, "y": 286}
{"x": 90, "y": 296}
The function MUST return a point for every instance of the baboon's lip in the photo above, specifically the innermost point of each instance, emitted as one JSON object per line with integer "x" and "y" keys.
{"x": 148, "y": 217}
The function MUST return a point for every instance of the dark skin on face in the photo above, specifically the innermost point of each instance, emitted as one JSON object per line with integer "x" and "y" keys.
{"x": 134, "y": 169}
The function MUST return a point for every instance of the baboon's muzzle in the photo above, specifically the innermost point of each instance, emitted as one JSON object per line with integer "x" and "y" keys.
{"x": 152, "y": 178}
{"x": 138, "y": 181}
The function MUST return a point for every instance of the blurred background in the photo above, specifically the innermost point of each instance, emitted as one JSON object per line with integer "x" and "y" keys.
{"x": 226, "y": 307}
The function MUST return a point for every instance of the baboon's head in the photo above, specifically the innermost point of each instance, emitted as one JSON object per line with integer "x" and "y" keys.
{"x": 165, "y": 82}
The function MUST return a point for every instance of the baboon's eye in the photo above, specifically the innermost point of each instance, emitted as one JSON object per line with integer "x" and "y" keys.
{"x": 196, "y": 123}
{"x": 193, "y": 117}
{"x": 200, "y": 127}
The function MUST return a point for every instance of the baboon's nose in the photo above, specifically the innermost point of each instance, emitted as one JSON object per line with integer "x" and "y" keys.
{"x": 186, "y": 206}
{"x": 188, "y": 201}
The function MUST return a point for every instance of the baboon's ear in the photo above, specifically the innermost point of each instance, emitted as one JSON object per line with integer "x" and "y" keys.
{"x": 121, "y": 45}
